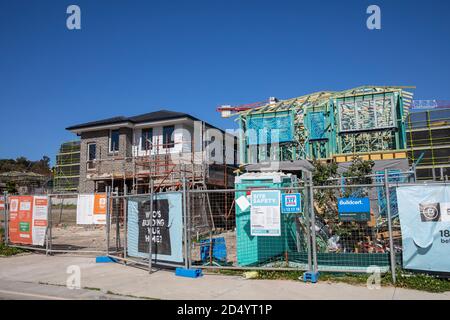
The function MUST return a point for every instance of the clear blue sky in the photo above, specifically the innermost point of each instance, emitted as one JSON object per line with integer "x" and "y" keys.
{"x": 133, "y": 57}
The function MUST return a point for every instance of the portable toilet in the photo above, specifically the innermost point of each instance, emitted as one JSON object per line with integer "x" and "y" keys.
{"x": 255, "y": 250}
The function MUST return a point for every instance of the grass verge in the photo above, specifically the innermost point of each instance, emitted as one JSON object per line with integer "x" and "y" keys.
{"x": 407, "y": 280}
{"x": 6, "y": 251}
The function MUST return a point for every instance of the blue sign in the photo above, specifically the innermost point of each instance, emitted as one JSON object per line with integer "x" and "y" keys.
{"x": 291, "y": 203}
{"x": 424, "y": 213}
{"x": 354, "y": 209}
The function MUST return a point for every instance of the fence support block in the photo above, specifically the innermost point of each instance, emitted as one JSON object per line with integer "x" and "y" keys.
{"x": 104, "y": 259}
{"x": 189, "y": 273}
{"x": 311, "y": 276}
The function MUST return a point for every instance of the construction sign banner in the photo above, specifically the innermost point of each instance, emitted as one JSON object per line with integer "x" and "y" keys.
{"x": 91, "y": 209}
{"x": 424, "y": 213}
{"x": 163, "y": 225}
{"x": 265, "y": 217}
{"x": 28, "y": 216}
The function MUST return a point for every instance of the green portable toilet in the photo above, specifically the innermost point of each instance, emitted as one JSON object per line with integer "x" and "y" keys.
{"x": 257, "y": 250}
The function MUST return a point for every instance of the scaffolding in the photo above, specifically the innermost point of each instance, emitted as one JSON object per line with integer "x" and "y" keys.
{"x": 67, "y": 168}
{"x": 429, "y": 141}
{"x": 159, "y": 170}
{"x": 165, "y": 169}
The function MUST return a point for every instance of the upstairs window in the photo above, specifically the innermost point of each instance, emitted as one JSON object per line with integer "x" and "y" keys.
{"x": 114, "y": 141}
{"x": 91, "y": 155}
{"x": 168, "y": 141}
{"x": 92, "y": 151}
{"x": 146, "y": 139}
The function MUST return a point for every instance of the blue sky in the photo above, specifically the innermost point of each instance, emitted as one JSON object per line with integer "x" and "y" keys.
{"x": 133, "y": 57}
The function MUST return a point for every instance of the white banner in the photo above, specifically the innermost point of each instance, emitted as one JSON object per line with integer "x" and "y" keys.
{"x": 91, "y": 209}
{"x": 265, "y": 218}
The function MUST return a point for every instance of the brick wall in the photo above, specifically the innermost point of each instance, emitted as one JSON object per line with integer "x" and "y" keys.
{"x": 106, "y": 166}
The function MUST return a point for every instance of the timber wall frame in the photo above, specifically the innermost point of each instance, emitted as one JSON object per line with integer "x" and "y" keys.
{"x": 335, "y": 142}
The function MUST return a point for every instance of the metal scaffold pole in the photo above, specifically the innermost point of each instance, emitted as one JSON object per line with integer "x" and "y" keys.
{"x": 125, "y": 215}
{"x": 313, "y": 224}
{"x": 391, "y": 240}
{"x": 150, "y": 242}
{"x": 48, "y": 243}
{"x": 6, "y": 215}
{"x": 186, "y": 220}
{"x": 308, "y": 225}
{"x": 108, "y": 217}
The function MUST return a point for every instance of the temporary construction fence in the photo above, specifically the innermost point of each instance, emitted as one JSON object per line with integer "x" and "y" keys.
{"x": 137, "y": 220}
{"x": 341, "y": 225}
{"x": 343, "y": 242}
{"x": 57, "y": 223}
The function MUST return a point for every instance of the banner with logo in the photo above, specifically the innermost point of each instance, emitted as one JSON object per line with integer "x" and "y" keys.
{"x": 91, "y": 209}
{"x": 291, "y": 203}
{"x": 425, "y": 222}
{"x": 354, "y": 209}
{"x": 28, "y": 216}
{"x": 265, "y": 213}
{"x": 163, "y": 225}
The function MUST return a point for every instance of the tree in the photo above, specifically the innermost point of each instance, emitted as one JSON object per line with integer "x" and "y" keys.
{"x": 42, "y": 166}
{"x": 11, "y": 187}
{"x": 325, "y": 199}
{"x": 22, "y": 164}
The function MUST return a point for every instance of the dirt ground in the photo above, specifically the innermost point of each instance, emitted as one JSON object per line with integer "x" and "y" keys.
{"x": 67, "y": 235}
{"x": 79, "y": 237}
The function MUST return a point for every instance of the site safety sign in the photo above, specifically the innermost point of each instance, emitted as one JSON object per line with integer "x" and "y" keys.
{"x": 265, "y": 213}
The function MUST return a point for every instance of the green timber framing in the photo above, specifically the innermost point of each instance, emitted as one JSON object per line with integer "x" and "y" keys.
{"x": 67, "y": 169}
{"x": 385, "y": 137}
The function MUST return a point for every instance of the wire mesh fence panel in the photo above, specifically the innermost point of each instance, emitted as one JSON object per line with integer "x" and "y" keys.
{"x": 74, "y": 226}
{"x": 228, "y": 234}
{"x": 3, "y": 217}
{"x": 116, "y": 233}
{"x": 211, "y": 220}
{"x": 26, "y": 221}
{"x": 396, "y": 228}
{"x": 140, "y": 219}
{"x": 351, "y": 231}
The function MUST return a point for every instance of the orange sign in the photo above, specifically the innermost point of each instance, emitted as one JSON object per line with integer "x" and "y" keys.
{"x": 41, "y": 202}
{"x": 100, "y": 204}
{"x": 2, "y": 203}
{"x": 21, "y": 219}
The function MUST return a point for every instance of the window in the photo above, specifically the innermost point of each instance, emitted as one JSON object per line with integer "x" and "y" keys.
{"x": 146, "y": 139}
{"x": 114, "y": 141}
{"x": 168, "y": 141}
{"x": 91, "y": 155}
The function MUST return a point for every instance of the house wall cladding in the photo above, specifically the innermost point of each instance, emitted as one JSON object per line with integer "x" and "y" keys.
{"x": 106, "y": 166}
